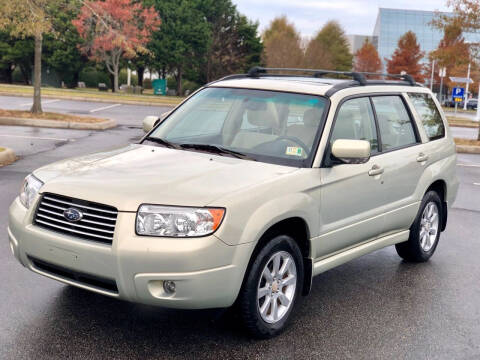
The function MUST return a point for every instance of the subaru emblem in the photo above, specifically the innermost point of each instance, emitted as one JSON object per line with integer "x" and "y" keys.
{"x": 72, "y": 214}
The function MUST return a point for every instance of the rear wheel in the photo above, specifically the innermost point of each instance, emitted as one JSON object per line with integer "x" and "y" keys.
{"x": 424, "y": 232}
{"x": 271, "y": 287}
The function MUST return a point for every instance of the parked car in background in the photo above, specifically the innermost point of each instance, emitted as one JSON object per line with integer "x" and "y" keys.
{"x": 244, "y": 192}
{"x": 472, "y": 104}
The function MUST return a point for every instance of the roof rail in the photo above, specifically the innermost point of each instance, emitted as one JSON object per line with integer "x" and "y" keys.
{"x": 258, "y": 71}
{"x": 406, "y": 77}
{"x": 359, "y": 78}
{"x": 356, "y": 75}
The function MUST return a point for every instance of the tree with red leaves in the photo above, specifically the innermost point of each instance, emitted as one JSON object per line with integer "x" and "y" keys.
{"x": 367, "y": 59}
{"x": 407, "y": 58}
{"x": 115, "y": 29}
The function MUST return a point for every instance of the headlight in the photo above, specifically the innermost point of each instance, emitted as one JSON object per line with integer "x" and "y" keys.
{"x": 170, "y": 221}
{"x": 31, "y": 186}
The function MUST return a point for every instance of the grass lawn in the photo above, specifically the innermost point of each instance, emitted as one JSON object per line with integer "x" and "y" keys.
{"x": 93, "y": 94}
{"x": 470, "y": 142}
{"x": 2, "y": 149}
{"x": 49, "y": 116}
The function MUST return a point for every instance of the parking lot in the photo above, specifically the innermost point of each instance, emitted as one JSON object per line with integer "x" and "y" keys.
{"x": 374, "y": 307}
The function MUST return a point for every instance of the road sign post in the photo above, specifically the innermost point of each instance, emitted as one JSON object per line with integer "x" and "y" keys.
{"x": 457, "y": 96}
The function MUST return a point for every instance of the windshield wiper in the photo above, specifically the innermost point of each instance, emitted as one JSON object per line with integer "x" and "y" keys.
{"x": 216, "y": 149}
{"x": 163, "y": 142}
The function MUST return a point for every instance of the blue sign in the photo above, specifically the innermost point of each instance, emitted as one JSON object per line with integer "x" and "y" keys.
{"x": 458, "y": 93}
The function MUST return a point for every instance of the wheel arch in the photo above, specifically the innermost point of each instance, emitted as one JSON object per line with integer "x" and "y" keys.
{"x": 297, "y": 228}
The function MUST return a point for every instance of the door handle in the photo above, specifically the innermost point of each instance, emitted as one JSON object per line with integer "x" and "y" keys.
{"x": 375, "y": 170}
{"x": 422, "y": 157}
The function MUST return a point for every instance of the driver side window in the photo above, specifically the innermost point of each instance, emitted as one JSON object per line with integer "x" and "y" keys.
{"x": 355, "y": 121}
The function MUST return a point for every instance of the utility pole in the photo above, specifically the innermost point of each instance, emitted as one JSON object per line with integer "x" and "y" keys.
{"x": 477, "y": 118}
{"x": 433, "y": 72}
{"x": 466, "y": 90}
{"x": 442, "y": 73}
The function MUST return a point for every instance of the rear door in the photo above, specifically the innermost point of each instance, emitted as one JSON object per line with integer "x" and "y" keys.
{"x": 403, "y": 160}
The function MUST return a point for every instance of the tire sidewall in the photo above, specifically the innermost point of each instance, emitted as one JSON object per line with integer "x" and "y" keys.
{"x": 249, "y": 291}
{"x": 429, "y": 197}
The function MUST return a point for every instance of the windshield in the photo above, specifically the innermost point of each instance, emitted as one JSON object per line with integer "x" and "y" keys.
{"x": 267, "y": 126}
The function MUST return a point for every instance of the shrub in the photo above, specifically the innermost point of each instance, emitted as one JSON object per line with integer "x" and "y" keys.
{"x": 92, "y": 77}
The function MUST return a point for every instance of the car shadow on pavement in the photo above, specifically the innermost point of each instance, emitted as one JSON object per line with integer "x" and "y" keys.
{"x": 350, "y": 308}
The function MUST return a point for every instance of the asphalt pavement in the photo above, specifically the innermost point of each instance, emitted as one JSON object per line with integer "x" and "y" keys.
{"x": 122, "y": 113}
{"x": 375, "y": 307}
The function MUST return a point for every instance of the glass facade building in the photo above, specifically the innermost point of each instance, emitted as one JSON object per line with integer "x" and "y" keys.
{"x": 393, "y": 23}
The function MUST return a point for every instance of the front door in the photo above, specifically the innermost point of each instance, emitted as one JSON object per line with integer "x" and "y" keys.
{"x": 352, "y": 196}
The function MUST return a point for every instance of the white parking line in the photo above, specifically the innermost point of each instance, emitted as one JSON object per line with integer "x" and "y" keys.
{"x": 43, "y": 102}
{"x": 105, "y": 108}
{"x": 35, "y": 137}
{"x": 469, "y": 165}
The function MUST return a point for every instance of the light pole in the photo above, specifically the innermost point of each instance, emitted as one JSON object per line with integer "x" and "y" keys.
{"x": 431, "y": 78}
{"x": 477, "y": 118}
{"x": 466, "y": 90}
{"x": 442, "y": 73}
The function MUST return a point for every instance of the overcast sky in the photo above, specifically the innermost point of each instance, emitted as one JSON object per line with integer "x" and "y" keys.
{"x": 356, "y": 16}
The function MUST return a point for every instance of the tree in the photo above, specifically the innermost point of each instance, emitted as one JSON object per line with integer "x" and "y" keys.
{"x": 367, "y": 59}
{"x": 183, "y": 39}
{"x": 281, "y": 43}
{"x": 16, "y": 53}
{"x": 332, "y": 40}
{"x": 115, "y": 29}
{"x": 453, "y": 53}
{"x": 234, "y": 45}
{"x": 29, "y": 18}
{"x": 61, "y": 50}
{"x": 407, "y": 57}
{"x": 317, "y": 56}
{"x": 466, "y": 15}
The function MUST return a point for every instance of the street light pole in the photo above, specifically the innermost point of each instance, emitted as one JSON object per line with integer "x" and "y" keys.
{"x": 431, "y": 78}
{"x": 477, "y": 118}
{"x": 466, "y": 90}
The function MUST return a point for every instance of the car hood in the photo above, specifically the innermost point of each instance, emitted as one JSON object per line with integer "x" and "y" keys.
{"x": 136, "y": 174}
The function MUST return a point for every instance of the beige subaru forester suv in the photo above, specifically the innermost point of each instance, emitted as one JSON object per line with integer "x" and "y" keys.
{"x": 244, "y": 192}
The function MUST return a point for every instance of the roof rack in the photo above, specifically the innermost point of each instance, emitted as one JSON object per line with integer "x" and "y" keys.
{"x": 359, "y": 77}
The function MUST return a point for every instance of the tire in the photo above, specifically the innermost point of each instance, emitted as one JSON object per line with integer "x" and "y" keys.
{"x": 424, "y": 232}
{"x": 263, "y": 324}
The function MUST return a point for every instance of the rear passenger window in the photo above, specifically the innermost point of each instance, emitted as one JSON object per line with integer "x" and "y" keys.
{"x": 355, "y": 121}
{"x": 396, "y": 128}
{"x": 431, "y": 118}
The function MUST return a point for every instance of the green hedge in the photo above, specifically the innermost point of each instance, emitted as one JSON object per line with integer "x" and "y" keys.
{"x": 92, "y": 77}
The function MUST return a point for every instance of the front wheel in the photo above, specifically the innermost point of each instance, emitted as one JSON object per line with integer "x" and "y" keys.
{"x": 271, "y": 287}
{"x": 424, "y": 232}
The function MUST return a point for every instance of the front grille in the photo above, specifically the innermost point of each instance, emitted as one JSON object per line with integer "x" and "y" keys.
{"x": 76, "y": 276}
{"x": 97, "y": 224}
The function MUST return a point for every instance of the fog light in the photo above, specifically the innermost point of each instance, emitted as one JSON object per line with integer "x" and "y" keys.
{"x": 169, "y": 286}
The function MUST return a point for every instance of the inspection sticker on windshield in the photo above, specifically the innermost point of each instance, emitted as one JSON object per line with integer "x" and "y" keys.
{"x": 294, "y": 150}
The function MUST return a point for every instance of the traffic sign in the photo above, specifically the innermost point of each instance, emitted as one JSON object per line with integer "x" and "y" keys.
{"x": 458, "y": 93}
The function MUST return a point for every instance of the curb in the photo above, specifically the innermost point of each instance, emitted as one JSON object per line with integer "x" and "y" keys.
{"x": 471, "y": 126}
{"x": 103, "y": 125}
{"x": 7, "y": 157}
{"x": 468, "y": 149}
{"x": 88, "y": 99}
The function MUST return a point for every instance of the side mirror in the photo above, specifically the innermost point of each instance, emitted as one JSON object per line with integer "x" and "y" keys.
{"x": 151, "y": 121}
{"x": 351, "y": 151}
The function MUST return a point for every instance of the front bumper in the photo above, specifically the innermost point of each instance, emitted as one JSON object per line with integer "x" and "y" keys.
{"x": 208, "y": 273}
